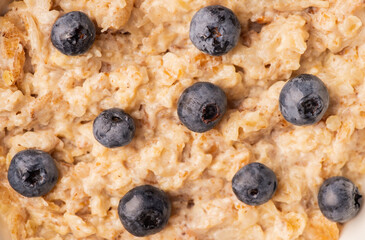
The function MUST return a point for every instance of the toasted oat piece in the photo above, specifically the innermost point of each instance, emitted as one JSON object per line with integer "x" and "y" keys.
{"x": 11, "y": 52}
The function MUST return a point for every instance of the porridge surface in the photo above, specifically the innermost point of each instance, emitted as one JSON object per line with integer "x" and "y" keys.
{"x": 141, "y": 61}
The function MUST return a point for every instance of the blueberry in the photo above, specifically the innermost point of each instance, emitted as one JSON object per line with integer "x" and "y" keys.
{"x": 254, "y": 184}
{"x": 144, "y": 210}
{"x": 215, "y": 30}
{"x": 32, "y": 173}
{"x": 339, "y": 199}
{"x": 114, "y": 128}
{"x": 201, "y": 106}
{"x": 304, "y": 100}
{"x": 73, "y": 33}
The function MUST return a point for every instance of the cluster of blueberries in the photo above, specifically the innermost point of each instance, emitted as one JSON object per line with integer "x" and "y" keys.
{"x": 145, "y": 209}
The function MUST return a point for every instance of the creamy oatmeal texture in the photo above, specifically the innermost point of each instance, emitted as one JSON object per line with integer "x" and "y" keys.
{"x": 141, "y": 61}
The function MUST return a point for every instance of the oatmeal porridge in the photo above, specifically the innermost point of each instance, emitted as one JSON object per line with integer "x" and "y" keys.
{"x": 141, "y": 61}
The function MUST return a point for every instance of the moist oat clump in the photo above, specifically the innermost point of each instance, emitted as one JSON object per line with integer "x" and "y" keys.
{"x": 141, "y": 62}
